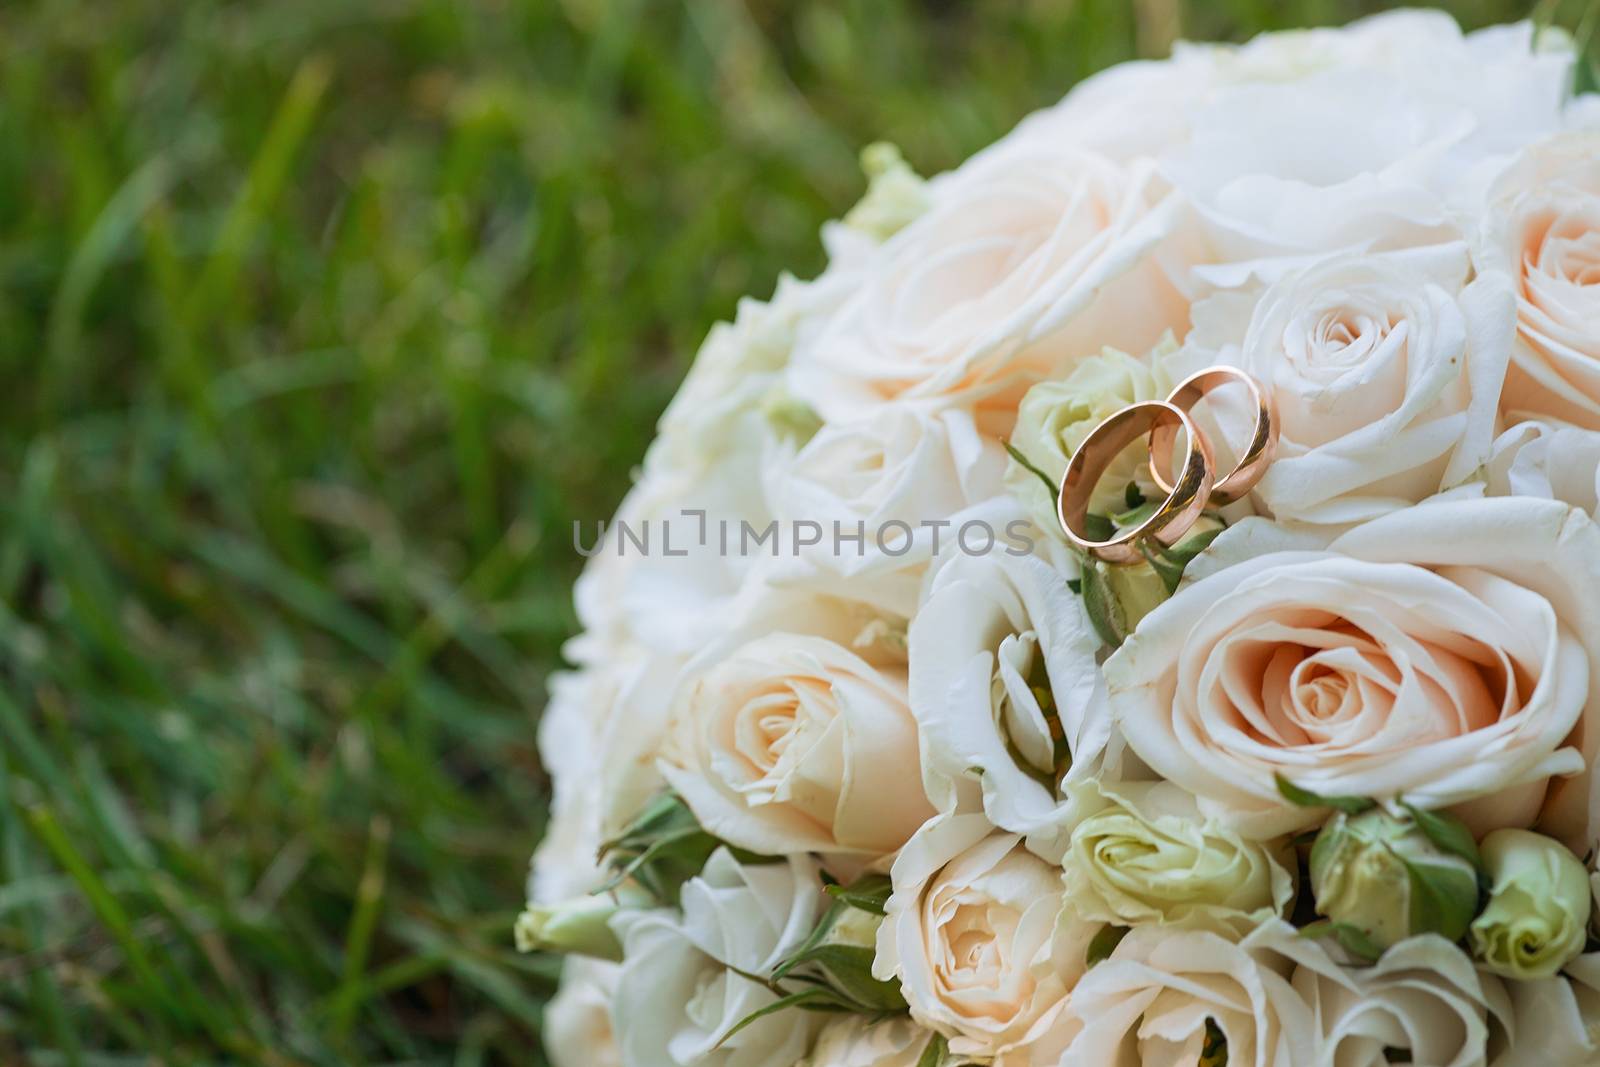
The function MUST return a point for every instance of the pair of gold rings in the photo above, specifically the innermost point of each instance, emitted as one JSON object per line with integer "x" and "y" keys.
{"x": 1191, "y": 491}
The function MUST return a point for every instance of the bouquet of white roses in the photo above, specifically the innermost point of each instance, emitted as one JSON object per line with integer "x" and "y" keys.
{"x": 1140, "y": 604}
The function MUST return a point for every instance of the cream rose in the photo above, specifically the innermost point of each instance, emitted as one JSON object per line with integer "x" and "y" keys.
{"x": 1149, "y": 857}
{"x": 1008, "y": 694}
{"x": 1028, "y": 258}
{"x": 1385, "y": 372}
{"x": 577, "y": 1021}
{"x": 719, "y": 406}
{"x": 1550, "y": 460}
{"x": 1544, "y": 230}
{"x": 1423, "y": 998}
{"x": 1326, "y": 145}
{"x": 1154, "y": 1001}
{"x": 972, "y": 934}
{"x": 871, "y": 486}
{"x": 598, "y": 736}
{"x": 1360, "y": 671}
{"x": 1556, "y": 1020}
{"x": 680, "y": 991}
{"x": 792, "y": 743}
{"x": 858, "y": 1042}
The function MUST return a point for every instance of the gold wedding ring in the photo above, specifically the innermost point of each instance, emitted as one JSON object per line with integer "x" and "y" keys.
{"x": 1263, "y": 438}
{"x": 1185, "y": 500}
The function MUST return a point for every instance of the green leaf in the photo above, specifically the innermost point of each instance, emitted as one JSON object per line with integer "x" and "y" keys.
{"x": 1104, "y": 944}
{"x": 1434, "y": 908}
{"x": 1352, "y": 939}
{"x": 1098, "y": 527}
{"x": 1132, "y": 497}
{"x": 1305, "y": 798}
{"x": 933, "y": 1055}
{"x": 813, "y": 939}
{"x": 1448, "y": 834}
{"x": 661, "y": 849}
{"x": 849, "y": 971}
{"x": 870, "y": 892}
{"x": 1170, "y": 563}
{"x": 1022, "y": 461}
{"x": 1105, "y": 613}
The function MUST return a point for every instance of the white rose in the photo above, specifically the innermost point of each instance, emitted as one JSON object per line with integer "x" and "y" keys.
{"x": 792, "y": 743}
{"x": 869, "y": 485}
{"x": 1153, "y": 1001}
{"x": 663, "y": 576}
{"x": 577, "y": 1021}
{"x": 859, "y": 1042}
{"x": 1056, "y": 415}
{"x": 1543, "y": 228}
{"x": 678, "y": 996}
{"x": 1148, "y": 856}
{"x": 1008, "y": 694}
{"x": 1422, "y": 997}
{"x": 1026, "y": 261}
{"x": 719, "y": 406}
{"x": 599, "y": 737}
{"x": 1358, "y": 671}
{"x": 972, "y": 934}
{"x": 1556, "y": 1020}
{"x": 1550, "y": 460}
{"x": 1386, "y": 375}
{"x": 1367, "y": 152}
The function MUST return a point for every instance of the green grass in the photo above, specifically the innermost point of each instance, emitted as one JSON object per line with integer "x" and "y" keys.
{"x": 319, "y": 323}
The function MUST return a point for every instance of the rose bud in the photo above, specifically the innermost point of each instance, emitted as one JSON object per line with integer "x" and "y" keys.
{"x": 580, "y": 926}
{"x": 1538, "y": 913}
{"x": 1384, "y": 877}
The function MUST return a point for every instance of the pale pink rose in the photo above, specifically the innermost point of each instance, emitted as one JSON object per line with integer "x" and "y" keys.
{"x": 1030, "y": 257}
{"x": 975, "y": 935}
{"x": 793, "y": 743}
{"x": 1544, "y": 229}
{"x": 1442, "y": 654}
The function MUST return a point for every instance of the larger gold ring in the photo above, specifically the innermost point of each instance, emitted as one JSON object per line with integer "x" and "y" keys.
{"x": 1257, "y": 455}
{"x": 1169, "y": 522}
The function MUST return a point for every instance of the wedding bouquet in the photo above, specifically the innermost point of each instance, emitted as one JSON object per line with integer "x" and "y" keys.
{"x": 1140, "y": 604}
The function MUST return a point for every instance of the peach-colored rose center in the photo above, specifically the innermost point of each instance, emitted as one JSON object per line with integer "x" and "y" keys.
{"x": 1326, "y": 684}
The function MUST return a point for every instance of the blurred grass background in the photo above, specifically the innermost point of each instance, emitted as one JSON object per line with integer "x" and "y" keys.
{"x": 319, "y": 323}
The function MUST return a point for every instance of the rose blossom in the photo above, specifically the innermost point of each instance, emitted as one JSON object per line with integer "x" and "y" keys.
{"x": 1556, "y": 1021}
{"x": 1008, "y": 694}
{"x": 1543, "y": 227}
{"x": 577, "y": 1021}
{"x": 1385, "y": 372}
{"x": 1027, "y": 259}
{"x": 678, "y": 994}
{"x": 1156, "y": 993}
{"x": 598, "y": 736}
{"x": 1423, "y": 998}
{"x": 972, "y": 934}
{"x": 1359, "y": 671}
{"x": 1364, "y": 151}
{"x": 792, "y": 743}
{"x": 1148, "y": 856}
{"x": 904, "y": 465}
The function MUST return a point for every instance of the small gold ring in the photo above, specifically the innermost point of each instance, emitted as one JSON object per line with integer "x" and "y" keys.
{"x": 1263, "y": 439}
{"x": 1174, "y": 518}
